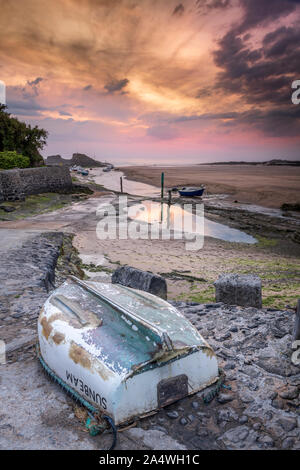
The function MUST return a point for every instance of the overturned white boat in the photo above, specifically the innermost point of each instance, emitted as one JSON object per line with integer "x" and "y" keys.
{"x": 124, "y": 351}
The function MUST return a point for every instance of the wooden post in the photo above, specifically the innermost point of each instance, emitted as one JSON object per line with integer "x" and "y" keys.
{"x": 162, "y": 184}
{"x": 170, "y": 196}
{"x": 296, "y": 335}
{"x": 121, "y": 184}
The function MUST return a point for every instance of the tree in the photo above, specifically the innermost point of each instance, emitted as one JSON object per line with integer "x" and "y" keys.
{"x": 22, "y": 138}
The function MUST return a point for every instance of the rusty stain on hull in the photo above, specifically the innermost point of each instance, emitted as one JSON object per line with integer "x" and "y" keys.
{"x": 47, "y": 327}
{"x": 79, "y": 355}
{"x": 58, "y": 338}
{"x": 103, "y": 371}
{"x": 209, "y": 352}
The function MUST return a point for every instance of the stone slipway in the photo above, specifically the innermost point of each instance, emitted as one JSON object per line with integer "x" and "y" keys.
{"x": 259, "y": 409}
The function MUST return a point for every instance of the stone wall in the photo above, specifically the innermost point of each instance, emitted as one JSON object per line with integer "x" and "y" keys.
{"x": 18, "y": 183}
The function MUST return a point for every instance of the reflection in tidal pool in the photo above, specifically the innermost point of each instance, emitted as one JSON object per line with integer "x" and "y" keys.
{"x": 176, "y": 218}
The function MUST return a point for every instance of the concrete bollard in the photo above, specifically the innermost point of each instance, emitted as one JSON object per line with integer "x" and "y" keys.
{"x": 236, "y": 289}
{"x": 142, "y": 280}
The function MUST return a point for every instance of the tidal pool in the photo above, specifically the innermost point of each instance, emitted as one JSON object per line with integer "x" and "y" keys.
{"x": 179, "y": 219}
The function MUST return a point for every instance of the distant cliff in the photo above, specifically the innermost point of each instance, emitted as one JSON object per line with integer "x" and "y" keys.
{"x": 79, "y": 159}
{"x": 275, "y": 162}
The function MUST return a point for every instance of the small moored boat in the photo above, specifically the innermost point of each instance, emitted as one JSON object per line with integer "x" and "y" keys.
{"x": 191, "y": 192}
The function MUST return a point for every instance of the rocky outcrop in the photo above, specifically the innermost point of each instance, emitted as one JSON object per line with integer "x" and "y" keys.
{"x": 79, "y": 159}
{"x": 83, "y": 160}
{"x": 142, "y": 280}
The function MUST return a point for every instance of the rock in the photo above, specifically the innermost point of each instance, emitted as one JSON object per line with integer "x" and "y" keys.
{"x": 243, "y": 419}
{"x": 289, "y": 393}
{"x": 229, "y": 366}
{"x": 266, "y": 440}
{"x": 235, "y": 289}
{"x": 154, "y": 439}
{"x": 183, "y": 421}
{"x": 246, "y": 397}
{"x": 142, "y": 280}
{"x": 227, "y": 415}
{"x": 195, "y": 405}
{"x": 172, "y": 414}
{"x": 288, "y": 424}
{"x": 225, "y": 398}
{"x": 7, "y": 208}
{"x": 234, "y": 329}
{"x": 287, "y": 443}
{"x": 238, "y": 434}
{"x": 202, "y": 432}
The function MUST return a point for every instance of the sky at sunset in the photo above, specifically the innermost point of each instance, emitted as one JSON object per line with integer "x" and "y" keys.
{"x": 155, "y": 81}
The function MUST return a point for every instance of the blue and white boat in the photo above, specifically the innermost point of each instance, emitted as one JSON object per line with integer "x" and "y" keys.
{"x": 191, "y": 192}
{"x": 125, "y": 352}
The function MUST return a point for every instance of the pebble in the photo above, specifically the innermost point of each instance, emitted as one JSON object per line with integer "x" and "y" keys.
{"x": 288, "y": 424}
{"x": 225, "y": 398}
{"x": 288, "y": 443}
{"x": 172, "y": 414}
{"x": 234, "y": 329}
{"x": 243, "y": 419}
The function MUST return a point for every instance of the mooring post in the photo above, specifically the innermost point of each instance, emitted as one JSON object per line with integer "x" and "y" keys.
{"x": 121, "y": 184}
{"x": 296, "y": 335}
{"x": 170, "y": 197}
{"x": 162, "y": 184}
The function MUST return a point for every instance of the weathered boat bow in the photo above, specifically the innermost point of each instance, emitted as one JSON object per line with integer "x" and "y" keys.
{"x": 125, "y": 351}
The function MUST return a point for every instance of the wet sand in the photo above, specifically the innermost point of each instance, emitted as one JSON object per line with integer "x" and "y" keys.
{"x": 269, "y": 186}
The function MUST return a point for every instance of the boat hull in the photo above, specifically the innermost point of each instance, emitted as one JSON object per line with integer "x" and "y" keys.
{"x": 124, "y": 351}
{"x": 191, "y": 193}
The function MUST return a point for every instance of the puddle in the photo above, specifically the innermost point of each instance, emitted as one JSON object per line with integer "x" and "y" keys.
{"x": 111, "y": 180}
{"x": 175, "y": 218}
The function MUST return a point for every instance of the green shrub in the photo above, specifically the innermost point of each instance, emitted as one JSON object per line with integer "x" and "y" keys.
{"x": 9, "y": 159}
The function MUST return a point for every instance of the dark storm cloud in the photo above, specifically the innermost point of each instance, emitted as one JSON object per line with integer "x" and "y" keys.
{"x": 274, "y": 123}
{"x": 116, "y": 85}
{"x": 207, "y": 117}
{"x": 64, "y": 113}
{"x": 35, "y": 82}
{"x": 178, "y": 10}
{"x": 211, "y": 4}
{"x": 262, "y": 76}
{"x": 257, "y": 12}
{"x": 202, "y": 93}
{"x": 31, "y": 88}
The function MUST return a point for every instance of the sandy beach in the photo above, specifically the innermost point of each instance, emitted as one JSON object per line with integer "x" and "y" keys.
{"x": 269, "y": 186}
